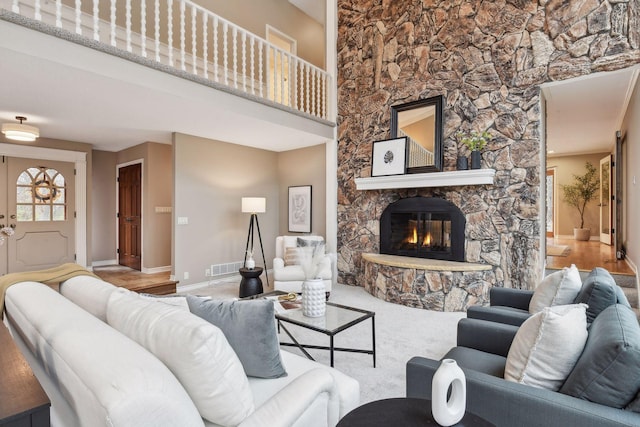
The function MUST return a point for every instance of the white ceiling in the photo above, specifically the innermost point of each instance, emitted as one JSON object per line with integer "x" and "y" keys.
{"x": 583, "y": 114}
{"x": 78, "y": 94}
{"x": 313, "y": 8}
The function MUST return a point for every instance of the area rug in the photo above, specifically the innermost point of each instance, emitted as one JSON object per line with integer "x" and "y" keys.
{"x": 558, "y": 250}
{"x": 401, "y": 333}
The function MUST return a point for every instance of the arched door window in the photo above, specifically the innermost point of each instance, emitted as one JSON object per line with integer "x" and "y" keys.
{"x": 41, "y": 195}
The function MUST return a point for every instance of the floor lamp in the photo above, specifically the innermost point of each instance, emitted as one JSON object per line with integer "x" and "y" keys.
{"x": 254, "y": 206}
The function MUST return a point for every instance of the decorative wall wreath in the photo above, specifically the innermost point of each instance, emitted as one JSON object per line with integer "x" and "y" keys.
{"x": 43, "y": 191}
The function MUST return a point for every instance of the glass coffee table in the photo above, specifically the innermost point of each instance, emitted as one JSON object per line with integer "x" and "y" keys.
{"x": 336, "y": 319}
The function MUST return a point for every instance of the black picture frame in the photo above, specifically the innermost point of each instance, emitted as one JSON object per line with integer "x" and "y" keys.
{"x": 389, "y": 157}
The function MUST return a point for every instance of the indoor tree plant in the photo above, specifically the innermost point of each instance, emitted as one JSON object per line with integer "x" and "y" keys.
{"x": 475, "y": 141}
{"x": 583, "y": 189}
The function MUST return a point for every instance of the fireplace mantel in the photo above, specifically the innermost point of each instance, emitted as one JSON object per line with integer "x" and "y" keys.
{"x": 434, "y": 179}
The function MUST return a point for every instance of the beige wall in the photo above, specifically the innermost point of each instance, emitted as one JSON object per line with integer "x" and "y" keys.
{"x": 157, "y": 188}
{"x": 103, "y": 188}
{"x": 631, "y": 200}
{"x": 211, "y": 177}
{"x": 568, "y": 216}
{"x": 280, "y": 14}
{"x": 305, "y": 166}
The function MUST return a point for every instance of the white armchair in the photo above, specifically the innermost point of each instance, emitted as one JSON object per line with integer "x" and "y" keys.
{"x": 289, "y": 277}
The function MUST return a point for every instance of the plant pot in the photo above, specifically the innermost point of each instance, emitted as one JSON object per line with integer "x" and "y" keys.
{"x": 314, "y": 299}
{"x": 462, "y": 164}
{"x": 583, "y": 234}
{"x": 476, "y": 160}
{"x": 448, "y": 393}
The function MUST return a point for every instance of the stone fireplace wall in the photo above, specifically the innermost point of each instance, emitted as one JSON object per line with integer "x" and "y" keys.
{"x": 488, "y": 59}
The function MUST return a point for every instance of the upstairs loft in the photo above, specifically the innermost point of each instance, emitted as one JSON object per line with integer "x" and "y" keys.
{"x": 182, "y": 39}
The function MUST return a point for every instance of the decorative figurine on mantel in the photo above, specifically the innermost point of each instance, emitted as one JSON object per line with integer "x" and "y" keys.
{"x": 475, "y": 141}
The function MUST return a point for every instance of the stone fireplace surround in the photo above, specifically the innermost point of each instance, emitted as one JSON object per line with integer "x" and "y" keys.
{"x": 488, "y": 59}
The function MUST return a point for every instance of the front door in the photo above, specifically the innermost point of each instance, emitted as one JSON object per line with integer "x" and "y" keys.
{"x": 129, "y": 216}
{"x": 40, "y": 209}
{"x": 605, "y": 200}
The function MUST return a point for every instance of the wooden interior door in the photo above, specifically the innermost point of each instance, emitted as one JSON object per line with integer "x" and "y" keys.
{"x": 130, "y": 216}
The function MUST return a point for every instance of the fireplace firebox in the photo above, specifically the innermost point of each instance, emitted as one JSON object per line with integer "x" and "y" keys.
{"x": 423, "y": 227}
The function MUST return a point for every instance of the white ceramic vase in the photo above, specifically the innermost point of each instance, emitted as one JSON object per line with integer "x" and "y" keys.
{"x": 314, "y": 301}
{"x": 448, "y": 412}
{"x": 250, "y": 263}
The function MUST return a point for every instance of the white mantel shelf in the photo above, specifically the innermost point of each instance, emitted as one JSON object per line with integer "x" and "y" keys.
{"x": 433, "y": 179}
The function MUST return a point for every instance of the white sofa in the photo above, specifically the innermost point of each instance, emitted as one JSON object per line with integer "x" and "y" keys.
{"x": 94, "y": 375}
{"x": 289, "y": 278}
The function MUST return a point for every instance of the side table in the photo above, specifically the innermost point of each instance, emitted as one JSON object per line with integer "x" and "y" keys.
{"x": 250, "y": 283}
{"x": 23, "y": 402}
{"x": 405, "y": 412}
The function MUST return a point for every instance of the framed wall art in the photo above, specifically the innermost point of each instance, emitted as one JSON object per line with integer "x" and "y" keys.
{"x": 300, "y": 209}
{"x": 389, "y": 157}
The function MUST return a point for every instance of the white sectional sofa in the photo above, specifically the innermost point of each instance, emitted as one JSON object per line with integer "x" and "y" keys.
{"x": 95, "y": 375}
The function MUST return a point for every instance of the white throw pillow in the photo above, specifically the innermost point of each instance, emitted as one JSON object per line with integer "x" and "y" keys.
{"x": 195, "y": 351}
{"x": 292, "y": 256}
{"x": 547, "y": 346}
{"x": 559, "y": 288}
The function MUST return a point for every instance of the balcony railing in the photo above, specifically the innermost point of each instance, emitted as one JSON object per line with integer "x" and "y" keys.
{"x": 189, "y": 38}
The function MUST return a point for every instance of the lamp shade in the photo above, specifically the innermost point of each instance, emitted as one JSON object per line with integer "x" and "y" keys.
{"x": 20, "y": 132}
{"x": 254, "y": 204}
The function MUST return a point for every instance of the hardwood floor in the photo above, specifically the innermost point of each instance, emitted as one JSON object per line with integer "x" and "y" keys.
{"x": 125, "y": 277}
{"x": 587, "y": 255}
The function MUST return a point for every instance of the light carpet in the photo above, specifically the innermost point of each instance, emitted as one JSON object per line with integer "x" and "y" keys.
{"x": 401, "y": 333}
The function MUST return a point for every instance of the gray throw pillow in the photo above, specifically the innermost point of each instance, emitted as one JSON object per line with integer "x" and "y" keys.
{"x": 608, "y": 371}
{"x": 250, "y": 328}
{"x": 599, "y": 291}
{"x": 304, "y": 243}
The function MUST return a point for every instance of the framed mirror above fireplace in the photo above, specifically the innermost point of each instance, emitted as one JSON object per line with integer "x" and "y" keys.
{"x": 421, "y": 122}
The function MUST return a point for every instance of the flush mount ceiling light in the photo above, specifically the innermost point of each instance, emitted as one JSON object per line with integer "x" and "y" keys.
{"x": 20, "y": 131}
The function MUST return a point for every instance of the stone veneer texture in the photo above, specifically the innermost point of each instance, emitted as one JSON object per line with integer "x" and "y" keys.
{"x": 488, "y": 59}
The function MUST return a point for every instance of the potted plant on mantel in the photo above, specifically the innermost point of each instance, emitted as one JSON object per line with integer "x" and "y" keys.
{"x": 584, "y": 189}
{"x": 475, "y": 141}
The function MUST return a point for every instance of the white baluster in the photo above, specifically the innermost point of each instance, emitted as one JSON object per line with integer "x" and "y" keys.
{"x": 156, "y": 23}
{"x": 306, "y": 86}
{"x": 267, "y": 54}
{"x": 15, "y": 8}
{"x": 78, "y": 17}
{"x": 323, "y": 104}
{"x": 96, "y": 21}
{"x": 244, "y": 61}
{"x": 260, "y": 72}
{"x": 282, "y": 77}
{"x": 225, "y": 52}
{"x": 112, "y": 25}
{"x": 313, "y": 109}
{"x": 252, "y": 63}
{"x": 58, "y": 13}
{"x": 127, "y": 14}
{"x": 143, "y": 27}
{"x": 194, "y": 58}
{"x": 294, "y": 83}
{"x": 182, "y": 37}
{"x": 37, "y": 15}
{"x": 235, "y": 57}
{"x": 288, "y": 81}
{"x": 205, "y": 44}
{"x": 170, "y": 25}
{"x": 215, "y": 48}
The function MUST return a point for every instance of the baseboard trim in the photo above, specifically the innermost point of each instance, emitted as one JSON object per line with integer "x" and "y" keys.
{"x": 193, "y": 286}
{"x": 156, "y": 269}
{"x": 104, "y": 263}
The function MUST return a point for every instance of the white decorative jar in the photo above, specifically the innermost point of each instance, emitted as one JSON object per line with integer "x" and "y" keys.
{"x": 250, "y": 263}
{"x": 448, "y": 375}
{"x": 314, "y": 301}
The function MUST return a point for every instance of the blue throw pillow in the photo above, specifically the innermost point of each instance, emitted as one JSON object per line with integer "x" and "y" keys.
{"x": 599, "y": 291}
{"x": 250, "y": 328}
{"x": 608, "y": 371}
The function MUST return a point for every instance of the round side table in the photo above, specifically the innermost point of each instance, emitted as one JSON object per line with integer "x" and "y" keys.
{"x": 250, "y": 284}
{"x": 405, "y": 412}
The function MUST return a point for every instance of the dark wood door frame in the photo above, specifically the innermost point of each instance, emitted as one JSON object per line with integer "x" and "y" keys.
{"x": 130, "y": 215}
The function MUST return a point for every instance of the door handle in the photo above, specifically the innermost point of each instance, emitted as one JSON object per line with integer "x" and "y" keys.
{"x": 13, "y": 226}
{"x": 1, "y": 216}
{"x": 12, "y": 216}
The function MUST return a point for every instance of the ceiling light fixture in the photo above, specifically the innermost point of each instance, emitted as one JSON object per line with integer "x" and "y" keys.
{"x": 20, "y": 131}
